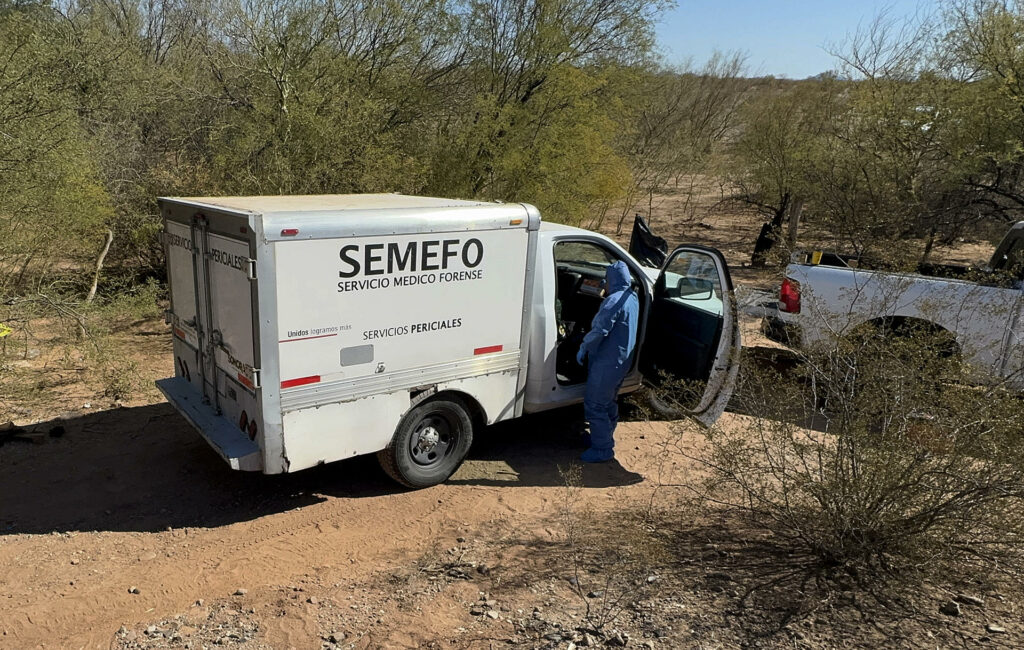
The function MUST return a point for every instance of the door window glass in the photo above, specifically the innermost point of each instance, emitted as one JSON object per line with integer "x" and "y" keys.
{"x": 691, "y": 278}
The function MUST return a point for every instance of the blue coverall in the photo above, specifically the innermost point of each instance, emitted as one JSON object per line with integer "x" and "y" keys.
{"x": 609, "y": 344}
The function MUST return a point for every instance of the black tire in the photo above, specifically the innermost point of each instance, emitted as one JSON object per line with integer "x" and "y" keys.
{"x": 430, "y": 443}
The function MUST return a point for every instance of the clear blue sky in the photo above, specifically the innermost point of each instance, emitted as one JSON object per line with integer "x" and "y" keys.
{"x": 784, "y": 38}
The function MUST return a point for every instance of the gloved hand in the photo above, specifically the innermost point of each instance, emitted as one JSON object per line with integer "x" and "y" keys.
{"x": 580, "y": 356}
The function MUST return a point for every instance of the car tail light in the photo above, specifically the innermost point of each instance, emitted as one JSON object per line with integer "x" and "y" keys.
{"x": 789, "y": 296}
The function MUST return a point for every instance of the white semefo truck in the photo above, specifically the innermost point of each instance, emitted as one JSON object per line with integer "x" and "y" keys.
{"x": 309, "y": 329}
{"x": 979, "y": 311}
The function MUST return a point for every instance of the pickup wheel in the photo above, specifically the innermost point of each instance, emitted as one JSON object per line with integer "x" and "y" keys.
{"x": 933, "y": 341}
{"x": 430, "y": 443}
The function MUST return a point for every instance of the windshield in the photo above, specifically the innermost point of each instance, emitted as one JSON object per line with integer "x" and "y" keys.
{"x": 580, "y": 253}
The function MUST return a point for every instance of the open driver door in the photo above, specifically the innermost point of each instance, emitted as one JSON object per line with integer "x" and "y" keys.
{"x": 690, "y": 352}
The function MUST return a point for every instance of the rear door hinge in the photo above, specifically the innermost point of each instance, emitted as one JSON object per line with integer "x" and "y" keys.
{"x": 250, "y": 269}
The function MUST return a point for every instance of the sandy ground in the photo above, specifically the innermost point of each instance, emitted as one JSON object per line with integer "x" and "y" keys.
{"x": 129, "y": 499}
{"x": 132, "y": 497}
{"x": 128, "y": 532}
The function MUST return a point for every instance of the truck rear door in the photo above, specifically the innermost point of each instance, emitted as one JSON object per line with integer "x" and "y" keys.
{"x": 212, "y": 303}
{"x": 693, "y": 333}
{"x": 184, "y": 312}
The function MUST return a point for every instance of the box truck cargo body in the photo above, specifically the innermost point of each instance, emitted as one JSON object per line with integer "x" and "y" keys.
{"x": 308, "y": 329}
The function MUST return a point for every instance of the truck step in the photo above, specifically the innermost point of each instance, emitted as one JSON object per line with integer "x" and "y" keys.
{"x": 227, "y": 439}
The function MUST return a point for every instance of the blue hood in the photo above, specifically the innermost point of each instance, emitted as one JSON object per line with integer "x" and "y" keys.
{"x": 617, "y": 277}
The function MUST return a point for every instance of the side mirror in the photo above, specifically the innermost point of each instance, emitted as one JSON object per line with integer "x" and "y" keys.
{"x": 695, "y": 289}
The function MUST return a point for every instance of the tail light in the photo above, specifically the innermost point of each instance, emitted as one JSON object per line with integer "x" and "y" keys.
{"x": 247, "y": 426}
{"x": 789, "y": 296}
{"x": 183, "y": 367}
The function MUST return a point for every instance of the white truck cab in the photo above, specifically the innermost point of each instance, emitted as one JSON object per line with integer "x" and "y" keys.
{"x": 308, "y": 329}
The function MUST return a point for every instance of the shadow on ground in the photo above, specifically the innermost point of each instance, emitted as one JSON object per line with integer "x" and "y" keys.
{"x": 534, "y": 451}
{"x": 787, "y": 364}
{"x": 144, "y": 469}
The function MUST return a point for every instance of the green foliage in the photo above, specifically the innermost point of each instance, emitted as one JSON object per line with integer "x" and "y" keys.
{"x": 783, "y": 131}
{"x": 107, "y": 106}
{"x": 921, "y": 138}
{"x": 51, "y": 195}
{"x": 560, "y": 103}
{"x": 541, "y": 125}
{"x": 553, "y": 151}
{"x": 128, "y": 299}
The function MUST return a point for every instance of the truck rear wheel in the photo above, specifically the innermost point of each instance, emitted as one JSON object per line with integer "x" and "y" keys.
{"x": 431, "y": 442}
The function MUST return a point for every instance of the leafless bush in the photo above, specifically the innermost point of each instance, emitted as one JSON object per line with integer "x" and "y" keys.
{"x": 873, "y": 459}
{"x": 613, "y": 564}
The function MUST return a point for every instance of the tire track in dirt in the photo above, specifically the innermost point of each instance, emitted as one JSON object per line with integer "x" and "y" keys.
{"x": 133, "y": 498}
{"x": 271, "y": 551}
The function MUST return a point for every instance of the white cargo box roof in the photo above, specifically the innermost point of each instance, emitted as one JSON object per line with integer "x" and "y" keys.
{"x": 346, "y": 215}
{"x": 327, "y": 202}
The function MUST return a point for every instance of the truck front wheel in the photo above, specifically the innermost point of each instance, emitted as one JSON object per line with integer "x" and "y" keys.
{"x": 431, "y": 442}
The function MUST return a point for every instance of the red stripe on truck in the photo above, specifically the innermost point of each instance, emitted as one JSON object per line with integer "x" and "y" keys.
{"x": 488, "y": 350}
{"x": 301, "y": 381}
{"x": 246, "y": 382}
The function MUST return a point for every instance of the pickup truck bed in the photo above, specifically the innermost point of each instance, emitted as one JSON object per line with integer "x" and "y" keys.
{"x": 819, "y": 303}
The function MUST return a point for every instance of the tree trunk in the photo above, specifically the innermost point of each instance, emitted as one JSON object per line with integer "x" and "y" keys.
{"x": 99, "y": 265}
{"x": 928, "y": 246}
{"x": 795, "y": 210}
{"x": 769, "y": 235}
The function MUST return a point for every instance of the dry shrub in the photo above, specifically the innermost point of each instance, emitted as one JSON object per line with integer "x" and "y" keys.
{"x": 873, "y": 459}
{"x": 614, "y": 558}
{"x": 83, "y": 333}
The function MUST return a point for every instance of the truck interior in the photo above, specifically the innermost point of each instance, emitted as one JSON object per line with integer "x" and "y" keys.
{"x": 580, "y": 270}
{"x": 684, "y": 325}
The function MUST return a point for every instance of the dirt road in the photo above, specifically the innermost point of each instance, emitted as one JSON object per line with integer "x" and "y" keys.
{"x": 133, "y": 498}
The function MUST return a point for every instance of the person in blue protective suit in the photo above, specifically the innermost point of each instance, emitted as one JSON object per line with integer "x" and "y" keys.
{"x": 609, "y": 345}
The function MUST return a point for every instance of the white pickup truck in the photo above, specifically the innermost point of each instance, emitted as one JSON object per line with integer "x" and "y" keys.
{"x": 822, "y": 298}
